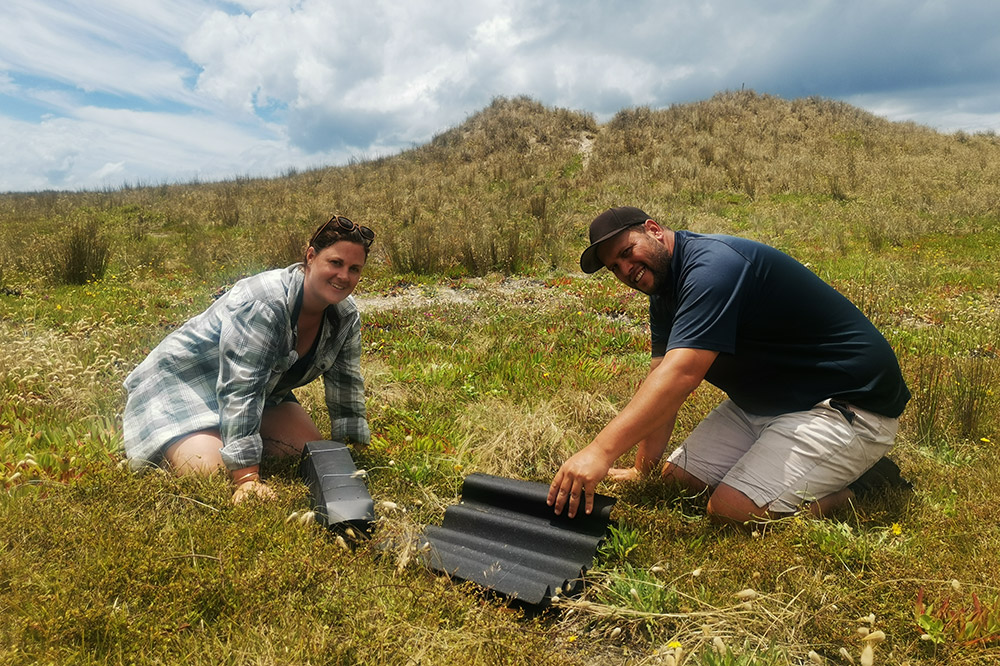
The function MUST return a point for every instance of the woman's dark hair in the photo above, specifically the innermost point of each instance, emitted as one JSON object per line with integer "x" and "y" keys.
{"x": 339, "y": 228}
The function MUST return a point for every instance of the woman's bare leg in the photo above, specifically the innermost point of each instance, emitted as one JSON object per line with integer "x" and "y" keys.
{"x": 286, "y": 429}
{"x": 197, "y": 453}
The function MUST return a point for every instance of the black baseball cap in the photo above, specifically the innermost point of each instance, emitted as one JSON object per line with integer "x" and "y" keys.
{"x": 606, "y": 225}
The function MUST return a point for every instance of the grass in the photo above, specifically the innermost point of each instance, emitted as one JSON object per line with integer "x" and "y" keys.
{"x": 485, "y": 351}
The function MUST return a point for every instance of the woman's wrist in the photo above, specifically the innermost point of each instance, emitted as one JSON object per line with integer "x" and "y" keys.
{"x": 245, "y": 475}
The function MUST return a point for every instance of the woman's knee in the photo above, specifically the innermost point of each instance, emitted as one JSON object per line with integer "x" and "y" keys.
{"x": 286, "y": 428}
{"x": 197, "y": 453}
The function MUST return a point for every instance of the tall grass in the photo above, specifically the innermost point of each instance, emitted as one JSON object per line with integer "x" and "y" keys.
{"x": 85, "y": 253}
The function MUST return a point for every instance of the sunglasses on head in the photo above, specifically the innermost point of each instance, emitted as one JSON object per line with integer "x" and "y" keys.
{"x": 344, "y": 224}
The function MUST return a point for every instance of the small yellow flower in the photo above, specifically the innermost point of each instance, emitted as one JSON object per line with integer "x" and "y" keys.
{"x": 985, "y": 440}
{"x": 571, "y": 638}
{"x": 58, "y": 307}
{"x": 673, "y": 644}
{"x": 896, "y": 529}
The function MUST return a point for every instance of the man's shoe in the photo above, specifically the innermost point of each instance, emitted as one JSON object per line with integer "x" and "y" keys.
{"x": 883, "y": 474}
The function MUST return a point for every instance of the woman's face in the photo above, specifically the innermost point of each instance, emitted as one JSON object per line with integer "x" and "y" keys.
{"x": 333, "y": 272}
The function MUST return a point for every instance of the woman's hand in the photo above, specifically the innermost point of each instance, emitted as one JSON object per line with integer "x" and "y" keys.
{"x": 248, "y": 484}
{"x": 253, "y": 487}
{"x": 623, "y": 474}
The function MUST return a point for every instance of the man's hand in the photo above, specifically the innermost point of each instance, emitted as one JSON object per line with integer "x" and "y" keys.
{"x": 577, "y": 479}
{"x": 256, "y": 488}
{"x": 624, "y": 474}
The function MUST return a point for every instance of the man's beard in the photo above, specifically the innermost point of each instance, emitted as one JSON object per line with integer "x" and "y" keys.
{"x": 659, "y": 265}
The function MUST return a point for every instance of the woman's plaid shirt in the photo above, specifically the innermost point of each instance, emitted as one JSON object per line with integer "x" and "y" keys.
{"x": 220, "y": 369}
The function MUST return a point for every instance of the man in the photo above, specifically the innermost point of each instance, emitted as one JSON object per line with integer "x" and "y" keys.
{"x": 814, "y": 390}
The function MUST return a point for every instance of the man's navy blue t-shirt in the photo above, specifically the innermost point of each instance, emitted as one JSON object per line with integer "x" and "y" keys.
{"x": 786, "y": 339}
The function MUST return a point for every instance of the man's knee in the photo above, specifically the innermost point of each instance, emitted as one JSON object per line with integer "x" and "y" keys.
{"x": 729, "y": 505}
{"x": 683, "y": 479}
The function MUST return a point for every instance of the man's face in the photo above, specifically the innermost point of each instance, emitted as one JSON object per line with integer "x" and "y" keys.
{"x": 638, "y": 258}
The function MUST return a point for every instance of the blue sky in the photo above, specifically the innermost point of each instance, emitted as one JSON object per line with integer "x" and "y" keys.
{"x": 100, "y": 93}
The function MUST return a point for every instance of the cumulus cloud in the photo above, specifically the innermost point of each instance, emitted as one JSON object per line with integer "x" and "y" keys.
{"x": 337, "y": 72}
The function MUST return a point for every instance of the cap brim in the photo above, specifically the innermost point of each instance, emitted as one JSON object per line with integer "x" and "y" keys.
{"x": 589, "y": 262}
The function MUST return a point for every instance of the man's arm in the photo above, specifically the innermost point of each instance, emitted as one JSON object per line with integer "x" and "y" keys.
{"x": 652, "y": 409}
{"x": 650, "y": 450}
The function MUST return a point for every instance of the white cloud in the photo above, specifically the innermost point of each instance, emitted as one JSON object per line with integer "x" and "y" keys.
{"x": 79, "y": 152}
{"x": 163, "y": 90}
{"x": 7, "y": 85}
{"x": 114, "y": 46}
{"x": 109, "y": 171}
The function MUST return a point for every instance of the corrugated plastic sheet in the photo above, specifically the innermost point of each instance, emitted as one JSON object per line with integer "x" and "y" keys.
{"x": 505, "y": 537}
{"x": 338, "y": 493}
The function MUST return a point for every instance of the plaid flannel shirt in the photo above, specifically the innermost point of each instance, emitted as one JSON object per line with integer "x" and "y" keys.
{"x": 221, "y": 368}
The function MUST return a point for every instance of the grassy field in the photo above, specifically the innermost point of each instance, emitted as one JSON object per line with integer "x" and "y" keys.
{"x": 485, "y": 350}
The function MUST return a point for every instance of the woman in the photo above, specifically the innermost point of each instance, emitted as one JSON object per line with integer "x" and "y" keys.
{"x": 216, "y": 393}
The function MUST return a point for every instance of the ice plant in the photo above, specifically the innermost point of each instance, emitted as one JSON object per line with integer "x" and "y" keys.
{"x": 975, "y": 624}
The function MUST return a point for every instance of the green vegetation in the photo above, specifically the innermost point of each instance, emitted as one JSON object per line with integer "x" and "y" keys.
{"x": 486, "y": 351}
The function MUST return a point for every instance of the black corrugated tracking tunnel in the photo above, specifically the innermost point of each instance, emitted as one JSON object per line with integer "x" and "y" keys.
{"x": 338, "y": 492}
{"x": 505, "y": 537}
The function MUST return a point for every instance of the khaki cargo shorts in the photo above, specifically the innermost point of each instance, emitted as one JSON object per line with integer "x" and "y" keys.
{"x": 782, "y": 462}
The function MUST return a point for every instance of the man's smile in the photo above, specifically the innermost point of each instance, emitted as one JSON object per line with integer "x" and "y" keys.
{"x": 638, "y": 276}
